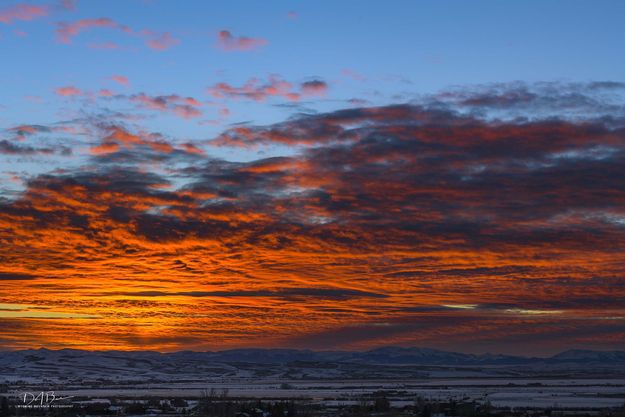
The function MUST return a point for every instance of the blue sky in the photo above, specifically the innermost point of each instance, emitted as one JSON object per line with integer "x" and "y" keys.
{"x": 407, "y": 47}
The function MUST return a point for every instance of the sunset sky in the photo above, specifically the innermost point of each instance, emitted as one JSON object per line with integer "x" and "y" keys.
{"x": 194, "y": 175}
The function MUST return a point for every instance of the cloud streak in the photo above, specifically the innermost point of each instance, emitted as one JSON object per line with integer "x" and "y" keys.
{"x": 159, "y": 41}
{"x": 22, "y": 12}
{"x": 275, "y": 86}
{"x": 226, "y": 41}
{"x": 184, "y": 107}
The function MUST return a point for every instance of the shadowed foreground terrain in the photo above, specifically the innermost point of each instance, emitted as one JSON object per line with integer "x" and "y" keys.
{"x": 263, "y": 382}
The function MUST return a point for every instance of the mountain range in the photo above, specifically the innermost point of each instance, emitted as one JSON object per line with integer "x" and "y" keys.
{"x": 385, "y": 362}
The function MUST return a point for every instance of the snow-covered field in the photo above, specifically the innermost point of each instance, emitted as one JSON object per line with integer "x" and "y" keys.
{"x": 332, "y": 378}
{"x": 500, "y": 392}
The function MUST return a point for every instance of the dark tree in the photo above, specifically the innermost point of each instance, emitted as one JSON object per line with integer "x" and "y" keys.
{"x": 5, "y": 411}
{"x": 381, "y": 404}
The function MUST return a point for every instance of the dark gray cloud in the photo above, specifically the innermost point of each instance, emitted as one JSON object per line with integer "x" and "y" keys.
{"x": 287, "y": 293}
{"x": 15, "y": 276}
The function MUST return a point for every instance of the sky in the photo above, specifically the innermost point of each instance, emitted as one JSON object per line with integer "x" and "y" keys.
{"x": 324, "y": 175}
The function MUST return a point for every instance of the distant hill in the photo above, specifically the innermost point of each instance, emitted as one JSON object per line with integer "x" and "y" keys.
{"x": 590, "y": 356}
{"x": 385, "y": 362}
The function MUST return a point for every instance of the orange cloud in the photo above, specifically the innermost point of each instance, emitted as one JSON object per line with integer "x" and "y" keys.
{"x": 160, "y": 41}
{"x": 191, "y": 148}
{"x": 23, "y": 131}
{"x": 314, "y": 88}
{"x": 22, "y": 11}
{"x": 228, "y": 42}
{"x": 404, "y": 224}
{"x": 66, "y": 31}
{"x": 116, "y": 138}
{"x": 121, "y": 79}
{"x": 275, "y": 86}
{"x": 184, "y": 107}
{"x": 68, "y": 91}
{"x": 105, "y": 148}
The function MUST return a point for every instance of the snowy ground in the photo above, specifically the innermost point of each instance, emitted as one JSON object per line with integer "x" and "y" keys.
{"x": 186, "y": 374}
{"x": 500, "y": 392}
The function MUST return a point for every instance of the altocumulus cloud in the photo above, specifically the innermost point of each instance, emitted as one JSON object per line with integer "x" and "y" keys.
{"x": 380, "y": 222}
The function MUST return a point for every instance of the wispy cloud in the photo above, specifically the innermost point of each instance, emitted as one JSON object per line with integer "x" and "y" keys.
{"x": 67, "y": 31}
{"x": 121, "y": 79}
{"x": 184, "y": 107}
{"x": 22, "y": 11}
{"x": 68, "y": 91}
{"x": 275, "y": 86}
{"x": 160, "y": 41}
{"x": 314, "y": 88}
{"x": 228, "y": 42}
